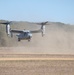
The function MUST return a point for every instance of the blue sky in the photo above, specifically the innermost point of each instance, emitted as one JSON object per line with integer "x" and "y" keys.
{"x": 38, "y": 10}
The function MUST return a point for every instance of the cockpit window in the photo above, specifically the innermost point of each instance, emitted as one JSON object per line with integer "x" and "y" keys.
{"x": 26, "y": 33}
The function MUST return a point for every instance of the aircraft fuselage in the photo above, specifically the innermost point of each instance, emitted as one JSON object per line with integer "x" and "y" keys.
{"x": 24, "y": 36}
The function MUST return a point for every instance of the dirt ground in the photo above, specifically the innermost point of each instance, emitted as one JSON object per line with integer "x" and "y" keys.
{"x": 37, "y": 67}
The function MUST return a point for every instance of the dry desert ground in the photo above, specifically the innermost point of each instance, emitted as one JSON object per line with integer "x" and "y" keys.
{"x": 36, "y": 64}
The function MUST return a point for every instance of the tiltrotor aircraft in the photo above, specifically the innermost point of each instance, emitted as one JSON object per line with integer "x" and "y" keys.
{"x": 24, "y": 34}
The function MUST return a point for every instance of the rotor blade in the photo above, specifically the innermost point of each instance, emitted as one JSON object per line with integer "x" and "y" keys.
{"x": 42, "y": 23}
{"x": 6, "y": 22}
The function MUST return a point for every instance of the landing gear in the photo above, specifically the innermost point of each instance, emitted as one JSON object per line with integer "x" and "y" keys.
{"x": 19, "y": 39}
{"x": 29, "y": 40}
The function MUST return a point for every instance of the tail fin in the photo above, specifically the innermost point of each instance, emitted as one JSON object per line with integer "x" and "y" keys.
{"x": 43, "y": 30}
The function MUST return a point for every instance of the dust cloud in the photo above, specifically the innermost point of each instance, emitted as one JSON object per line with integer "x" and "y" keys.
{"x": 59, "y": 38}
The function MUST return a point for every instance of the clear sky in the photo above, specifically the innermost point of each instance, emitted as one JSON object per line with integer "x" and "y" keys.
{"x": 38, "y": 10}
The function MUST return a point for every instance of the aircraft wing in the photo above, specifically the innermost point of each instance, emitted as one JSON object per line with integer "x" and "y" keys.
{"x": 35, "y": 31}
{"x": 16, "y": 31}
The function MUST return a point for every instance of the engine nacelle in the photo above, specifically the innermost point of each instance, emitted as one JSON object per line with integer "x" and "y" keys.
{"x": 43, "y": 30}
{"x": 8, "y": 29}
